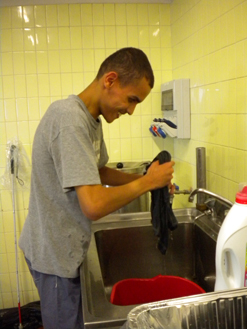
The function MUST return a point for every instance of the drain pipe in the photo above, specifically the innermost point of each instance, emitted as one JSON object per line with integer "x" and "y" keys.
{"x": 201, "y": 177}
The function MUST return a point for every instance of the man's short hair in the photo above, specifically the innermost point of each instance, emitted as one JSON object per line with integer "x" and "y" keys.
{"x": 131, "y": 65}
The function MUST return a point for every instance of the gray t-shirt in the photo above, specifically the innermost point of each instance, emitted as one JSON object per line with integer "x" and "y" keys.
{"x": 68, "y": 150}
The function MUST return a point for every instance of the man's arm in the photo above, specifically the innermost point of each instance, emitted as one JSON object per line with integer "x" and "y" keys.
{"x": 97, "y": 201}
{"x": 113, "y": 177}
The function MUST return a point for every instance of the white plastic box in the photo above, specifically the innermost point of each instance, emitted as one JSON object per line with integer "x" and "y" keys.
{"x": 175, "y": 105}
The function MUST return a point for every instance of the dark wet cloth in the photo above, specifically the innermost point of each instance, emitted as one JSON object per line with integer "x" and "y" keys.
{"x": 163, "y": 218}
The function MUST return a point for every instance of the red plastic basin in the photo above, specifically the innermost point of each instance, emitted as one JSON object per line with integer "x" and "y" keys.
{"x": 139, "y": 291}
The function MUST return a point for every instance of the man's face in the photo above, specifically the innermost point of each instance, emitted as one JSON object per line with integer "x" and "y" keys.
{"x": 121, "y": 100}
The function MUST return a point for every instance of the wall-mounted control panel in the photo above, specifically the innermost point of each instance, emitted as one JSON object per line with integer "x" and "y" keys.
{"x": 175, "y": 106}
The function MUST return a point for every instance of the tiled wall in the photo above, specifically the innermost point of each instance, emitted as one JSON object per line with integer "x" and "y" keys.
{"x": 209, "y": 45}
{"x": 49, "y": 52}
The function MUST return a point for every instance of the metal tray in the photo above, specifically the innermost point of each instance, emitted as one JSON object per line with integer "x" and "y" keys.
{"x": 217, "y": 310}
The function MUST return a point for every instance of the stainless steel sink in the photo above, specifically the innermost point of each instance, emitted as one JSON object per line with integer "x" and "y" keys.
{"x": 124, "y": 246}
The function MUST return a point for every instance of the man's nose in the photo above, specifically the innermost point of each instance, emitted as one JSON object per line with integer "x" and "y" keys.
{"x": 131, "y": 109}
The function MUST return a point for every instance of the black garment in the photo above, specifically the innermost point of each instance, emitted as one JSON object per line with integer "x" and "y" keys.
{"x": 163, "y": 217}
{"x": 30, "y": 315}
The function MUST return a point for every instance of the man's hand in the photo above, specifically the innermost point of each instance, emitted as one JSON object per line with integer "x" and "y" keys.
{"x": 171, "y": 188}
{"x": 161, "y": 174}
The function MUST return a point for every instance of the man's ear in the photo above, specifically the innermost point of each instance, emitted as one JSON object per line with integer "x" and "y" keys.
{"x": 110, "y": 78}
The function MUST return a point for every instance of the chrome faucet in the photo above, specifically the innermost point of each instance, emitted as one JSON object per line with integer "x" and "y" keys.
{"x": 211, "y": 194}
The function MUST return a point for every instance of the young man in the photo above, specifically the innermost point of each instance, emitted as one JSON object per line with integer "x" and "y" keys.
{"x": 68, "y": 174}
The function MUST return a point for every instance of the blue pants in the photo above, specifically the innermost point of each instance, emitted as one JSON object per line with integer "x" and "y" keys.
{"x": 60, "y": 300}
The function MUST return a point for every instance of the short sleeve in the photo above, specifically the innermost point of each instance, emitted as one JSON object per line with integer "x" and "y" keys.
{"x": 74, "y": 158}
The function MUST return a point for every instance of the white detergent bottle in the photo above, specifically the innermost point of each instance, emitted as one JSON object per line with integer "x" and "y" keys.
{"x": 231, "y": 247}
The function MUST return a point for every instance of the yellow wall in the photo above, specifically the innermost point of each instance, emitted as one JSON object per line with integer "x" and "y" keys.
{"x": 49, "y": 52}
{"x": 209, "y": 46}
{"x": 45, "y": 55}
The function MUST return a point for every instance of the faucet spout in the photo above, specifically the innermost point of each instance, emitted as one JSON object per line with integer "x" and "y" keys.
{"x": 211, "y": 194}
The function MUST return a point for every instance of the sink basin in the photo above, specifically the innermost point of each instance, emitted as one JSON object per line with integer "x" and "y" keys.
{"x": 124, "y": 246}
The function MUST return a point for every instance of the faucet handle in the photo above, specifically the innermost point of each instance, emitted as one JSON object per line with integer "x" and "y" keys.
{"x": 210, "y": 203}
